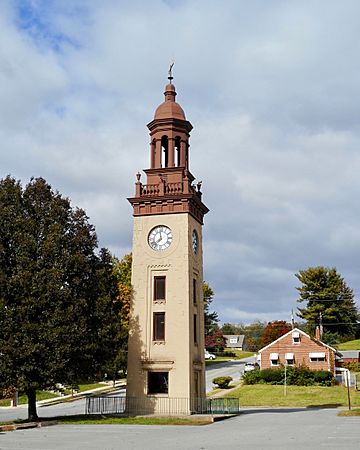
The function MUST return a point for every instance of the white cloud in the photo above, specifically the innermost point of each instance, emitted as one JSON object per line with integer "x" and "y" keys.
{"x": 271, "y": 89}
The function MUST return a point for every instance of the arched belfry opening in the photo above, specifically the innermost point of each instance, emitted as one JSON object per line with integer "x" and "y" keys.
{"x": 177, "y": 150}
{"x": 164, "y": 151}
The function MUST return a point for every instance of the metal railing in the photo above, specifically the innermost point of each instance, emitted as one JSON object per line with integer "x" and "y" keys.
{"x": 105, "y": 404}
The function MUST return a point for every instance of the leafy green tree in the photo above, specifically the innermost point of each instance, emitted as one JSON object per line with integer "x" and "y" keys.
{"x": 211, "y": 318}
{"x": 329, "y": 301}
{"x": 229, "y": 328}
{"x": 57, "y": 317}
{"x": 253, "y": 334}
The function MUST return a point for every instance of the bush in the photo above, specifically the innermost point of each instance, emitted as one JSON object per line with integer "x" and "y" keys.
{"x": 272, "y": 376}
{"x": 323, "y": 378}
{"x": 222, "y": 382}
{"x": 252, "y": 377}
{"x": 231, "y": 354}
{"x": 295, "y": 375}
{"x": 352, "y": 366}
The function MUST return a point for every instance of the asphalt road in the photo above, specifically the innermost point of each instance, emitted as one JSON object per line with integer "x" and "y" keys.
{"x": 294, "y": 429}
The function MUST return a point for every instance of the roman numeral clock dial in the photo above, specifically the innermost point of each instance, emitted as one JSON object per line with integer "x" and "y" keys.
{"x": 160, "y": 238}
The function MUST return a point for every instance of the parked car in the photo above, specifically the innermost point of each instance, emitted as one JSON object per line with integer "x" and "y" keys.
{"x": 209, "y": 355}
{"x": 249, "y": 366}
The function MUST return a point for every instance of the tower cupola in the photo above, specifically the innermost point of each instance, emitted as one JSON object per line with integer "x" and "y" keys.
{"x": 169, "y": 185}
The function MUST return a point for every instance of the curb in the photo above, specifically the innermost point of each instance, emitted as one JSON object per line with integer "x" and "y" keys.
{"x": 25, "y": 426}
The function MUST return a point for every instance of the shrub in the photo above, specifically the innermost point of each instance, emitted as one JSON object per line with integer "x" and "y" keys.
{"x": 295, "y": 375}
{"x": 353, "y": 366}
{"x": 231, "y": 354}
{"x": 222, "y": 382}
{"x": 324, "y": 378}
{"x": 252, "y": 377}
{"x": 272, "y": 376}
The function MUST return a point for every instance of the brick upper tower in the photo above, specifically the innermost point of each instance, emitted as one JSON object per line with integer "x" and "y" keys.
{"x": 169, "y": 186}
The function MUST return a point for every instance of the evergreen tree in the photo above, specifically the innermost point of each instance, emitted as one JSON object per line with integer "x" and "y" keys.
{"x": 56, "y": 293}
{"x": 329, "y": 302}
{"x": 211, "y": 318}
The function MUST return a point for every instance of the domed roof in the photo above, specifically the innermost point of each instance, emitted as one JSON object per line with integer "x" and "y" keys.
{"x": 169, "y": 109}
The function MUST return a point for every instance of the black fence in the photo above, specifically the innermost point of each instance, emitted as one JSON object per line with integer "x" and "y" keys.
{"x": 104, "y": 404}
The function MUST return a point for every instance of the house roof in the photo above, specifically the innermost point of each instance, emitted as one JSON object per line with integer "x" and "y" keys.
{"x": 239, "y": 340}
{"x": 350, "y": 353}
{"x": 304, "y": 334}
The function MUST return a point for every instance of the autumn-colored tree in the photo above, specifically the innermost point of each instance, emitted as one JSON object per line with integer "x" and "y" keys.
{"x": 215, "y": 341}
{"x": 122, "y": 271}
{"x": 274, "y": 330}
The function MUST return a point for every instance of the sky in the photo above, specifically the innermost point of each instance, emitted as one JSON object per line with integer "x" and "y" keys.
{"x": 272, "y": 88}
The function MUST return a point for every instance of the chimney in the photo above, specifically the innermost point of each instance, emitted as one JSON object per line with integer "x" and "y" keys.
{"x": 317, "y": 332}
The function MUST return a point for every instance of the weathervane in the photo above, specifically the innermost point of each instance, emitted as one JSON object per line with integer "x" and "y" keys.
{"x": 170, "y": 77}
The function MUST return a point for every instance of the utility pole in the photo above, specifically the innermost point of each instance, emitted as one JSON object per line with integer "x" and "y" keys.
{"x": 320, "y": 325}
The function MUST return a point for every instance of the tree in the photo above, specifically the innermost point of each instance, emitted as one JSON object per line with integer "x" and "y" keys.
{"x": 229, "y": 328}
{"x": 253, "y": 334}
{"x": 56, "y": 293}
{"x": 211, "y": 318}
{"x": 215, "y": 341}
{"x": 122, "y": 273}
{"x": 274, "y": 330}
{"x": 329, "y": 301}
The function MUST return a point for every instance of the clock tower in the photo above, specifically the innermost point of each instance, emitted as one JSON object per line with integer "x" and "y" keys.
{"x": 166, "y": 368}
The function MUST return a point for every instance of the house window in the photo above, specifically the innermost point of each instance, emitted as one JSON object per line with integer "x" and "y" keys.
{"x": 233, "y": 340}
{"x": 159, "y": 326}
{"x": 158, "y": 382}
{"x": 274, "y": 359}
{"x": 296, "y": 337}
{"x": 317, "y": 357}
{"x": 195, "y": 329}
{"x": 159, "y": 288}
{"x": 194, "y": 291}
{"x": 289, "y": 358}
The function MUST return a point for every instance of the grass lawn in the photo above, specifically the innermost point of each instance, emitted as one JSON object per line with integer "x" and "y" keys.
{"x": 350, "y": 345}
{"x": 113, "y": 420}
{"x": 301, "y": 396}
{"x": 239, "y": 355}
{"x": 40, "y": 395}
{"x": 83, "y": 419}
{"x": 352, "y": 412}
{"x": 45, "y": 395}
{"x": 87, "y": 387}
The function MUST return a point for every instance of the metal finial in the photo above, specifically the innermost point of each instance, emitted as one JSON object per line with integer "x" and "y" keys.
{"x": 170, "y": 77}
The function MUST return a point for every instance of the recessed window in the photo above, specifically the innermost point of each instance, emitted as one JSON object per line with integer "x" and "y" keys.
{"x": 159, "y": 326}
{"x": 289, "y": 358}
{"x": 195, "y": 329}
{"x": 317, "y": 357}
{"x": 158, "y": 382}
{"x": 296, "y": 337}
{"x": 274, "y": 359}
{"x": 159, "y": 288}
{"x": 194, "y": 291}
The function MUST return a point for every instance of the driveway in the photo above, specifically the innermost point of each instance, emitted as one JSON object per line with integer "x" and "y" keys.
{"x": 279, "y": 429}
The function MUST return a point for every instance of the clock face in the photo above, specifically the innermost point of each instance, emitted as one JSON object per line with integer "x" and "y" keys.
{"x": 195, "y": 241}
{"x": 160, "y": 238}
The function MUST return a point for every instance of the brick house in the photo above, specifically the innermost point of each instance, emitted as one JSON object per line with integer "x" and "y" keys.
{"x": 296, "y": 348}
